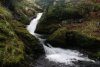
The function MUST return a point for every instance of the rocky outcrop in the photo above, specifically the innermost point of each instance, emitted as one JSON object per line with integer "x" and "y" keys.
{"x": 67, "y": 38}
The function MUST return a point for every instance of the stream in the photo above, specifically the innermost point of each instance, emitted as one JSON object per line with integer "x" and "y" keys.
{"x": 58, "y": 57}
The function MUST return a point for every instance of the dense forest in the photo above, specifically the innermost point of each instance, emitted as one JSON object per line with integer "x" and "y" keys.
{"x": 66, "y": 24}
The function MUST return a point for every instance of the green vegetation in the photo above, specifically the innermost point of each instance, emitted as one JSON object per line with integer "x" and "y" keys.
{"x": 68, "y": 24}
{"x": 58, "y": 32}
{"x": 44, "y": 3}
{"x": 16, "y": 43}
{"x": 68, "y": 12}
{"x": 97, "y": 7}
{"x": 84, "y": 36}
{"x": 4, "y": 12}
{"x": 88, "y": 28}
{"x": 24, "y": 9}
{"x": 97, "y": 54}
{"x": 76, "y": 26}
{"x": 12, "y": 47}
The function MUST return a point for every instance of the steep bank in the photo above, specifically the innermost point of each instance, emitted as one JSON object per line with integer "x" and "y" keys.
{"x": 17, "y": 46}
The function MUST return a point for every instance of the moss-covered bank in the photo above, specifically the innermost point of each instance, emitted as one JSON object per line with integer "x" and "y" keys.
{"x": 18, "y": 48}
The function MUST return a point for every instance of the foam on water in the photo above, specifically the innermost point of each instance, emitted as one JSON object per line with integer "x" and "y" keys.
{"x": 67, "y": 57}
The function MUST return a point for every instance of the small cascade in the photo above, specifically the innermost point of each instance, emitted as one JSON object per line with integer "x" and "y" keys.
{"x": 67, "y": 57}
{"x": 32, "y": 26}
{"x": 57, "y": 55}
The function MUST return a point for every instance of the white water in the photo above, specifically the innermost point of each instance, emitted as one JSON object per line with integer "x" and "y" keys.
{"x": 57, "y": 55}
{"x": 67, "y": 57}
{"x": 32, "y": 26}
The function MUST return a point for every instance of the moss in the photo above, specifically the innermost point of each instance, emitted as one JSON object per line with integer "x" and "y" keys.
{"x": 12, "y": 47}
{"x": 88, "y": 28}
{"x": 24, "y": 10}
{"x": 97, "y": 7}
{"x": 78, "y": 40}
{"x": 4, "y": 12}
{"x": 78, "y": 35}
{"x": 97, "y": 54}
{"x": 23, "y": 18}
{"x": 58, "y": 38}
{"x": 58, "y": 33}
{"x": 42, "y": 28}
{"x": 64, "y": 37}
{"x": 13, "y": 52}
{"x": 2, "y": 37}
{"x": 71, "y": 13}
{"x": 17, "y": 45}
{"x": 30, "y": 42}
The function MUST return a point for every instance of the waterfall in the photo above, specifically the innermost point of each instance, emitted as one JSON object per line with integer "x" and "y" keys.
{"x": 57, "y": 55}
{"x": 32, "y": 26}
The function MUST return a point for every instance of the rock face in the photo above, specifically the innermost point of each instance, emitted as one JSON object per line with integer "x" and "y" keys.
{"x": 17, "y": 46}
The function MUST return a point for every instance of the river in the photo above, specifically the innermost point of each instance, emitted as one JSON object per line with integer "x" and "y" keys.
{"x": 58, "y": 57}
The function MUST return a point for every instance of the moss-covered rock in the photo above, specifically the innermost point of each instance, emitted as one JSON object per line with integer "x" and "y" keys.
{"x": 70, "y": 12}
{"x": 32, "y": 48}
{"x": 23, "y": 10}
{"x": 88, "y": 29}
{"x": 71, "y": 39}
{"x": 55, "y": 14}
{"x": 58, "y": 38}
{"x": 47, "y": 28}
{"x": 78, "y": 35}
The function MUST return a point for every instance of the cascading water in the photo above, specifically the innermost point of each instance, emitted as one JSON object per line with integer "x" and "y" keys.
{"x": 31, "y": 28}
{"x": 57, "y": 55}
{"x": 64, "y": 56}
